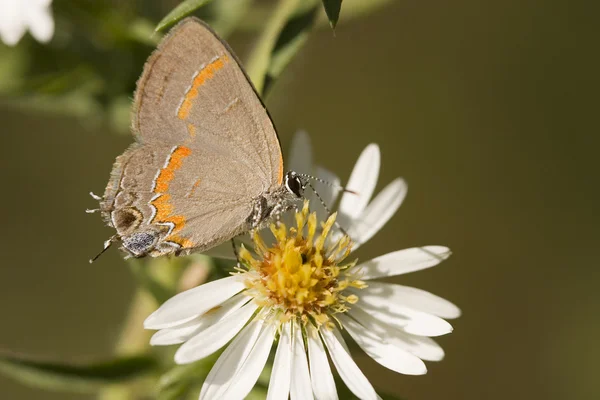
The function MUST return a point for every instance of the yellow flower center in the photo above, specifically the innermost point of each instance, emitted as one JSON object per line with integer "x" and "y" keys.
{"x": 301, "y": 275}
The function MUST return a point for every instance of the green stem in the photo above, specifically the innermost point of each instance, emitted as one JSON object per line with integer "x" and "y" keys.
{"x": 132, "y": 340}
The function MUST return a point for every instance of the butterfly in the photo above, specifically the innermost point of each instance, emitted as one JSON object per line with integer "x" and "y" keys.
{"x": 207, "y": 164}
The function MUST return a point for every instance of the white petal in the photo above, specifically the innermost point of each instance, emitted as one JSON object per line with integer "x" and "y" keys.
{"x": 224, "y": 370}
{"x": 362, "y": 181}
{"x": 352, "y": 376}
{"x": 300, "y": 387}
{"x": 340, "y": 338}
{"x": 321, "y": 377}
{"x": 12, "y": 22}
{"x": 301, "y": 154}
{"x": 183, "y": 332}
{"x": 42, "y": 3}
{"x": 194, "y": 302}
{"x": 279, "y": 384}
{"x": 41, "y": 23}
{"x": 248, "y": 373}
{"x": 422, "y": 347}
{"x": 176, "y": 335}
{"x": 416, "y": 299}
{"x": 328, "y": 193}
{"x": 402, "y": 317}
{"x": 215, "y": 336}
{"x": 403, "y": 261}
{"x": 378, "y": 212}
{"x": 389, "y": 356}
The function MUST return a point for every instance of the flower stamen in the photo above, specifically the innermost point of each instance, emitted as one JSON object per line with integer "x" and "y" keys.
{"x": 301, "y": 275}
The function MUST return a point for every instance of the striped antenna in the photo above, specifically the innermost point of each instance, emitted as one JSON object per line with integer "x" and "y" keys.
{"x": 323, "y": 181}
{"x": 325, "y": 205}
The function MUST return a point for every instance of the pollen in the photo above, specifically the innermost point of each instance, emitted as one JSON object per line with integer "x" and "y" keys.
{"x": 303, "y": 274}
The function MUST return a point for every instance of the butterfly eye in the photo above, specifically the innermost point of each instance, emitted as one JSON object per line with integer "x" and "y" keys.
{"x": 293, "y": 184}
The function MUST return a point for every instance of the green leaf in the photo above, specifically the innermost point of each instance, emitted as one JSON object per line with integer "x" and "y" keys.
{"x": 353, "y": 9}
{"x": 293, "y": 36}
{"x": 184, "y": 9}
{"x": 284, "y": 34}
{"x": 226, "y": 15}
{"x": 332, "y": 9}
{"x": 75, "y": 378}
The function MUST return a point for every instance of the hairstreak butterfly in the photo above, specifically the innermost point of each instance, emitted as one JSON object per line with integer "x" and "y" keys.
{"x": 207, "y": 164}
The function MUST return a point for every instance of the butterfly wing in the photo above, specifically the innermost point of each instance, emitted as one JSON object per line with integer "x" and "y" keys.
{"x": 176, "y": 199}
{"x": 193, "y": 91}
{"x": 206, "y": 149}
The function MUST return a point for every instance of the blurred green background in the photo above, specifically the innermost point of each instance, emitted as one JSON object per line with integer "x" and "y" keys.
{"x": 488, "y": 109}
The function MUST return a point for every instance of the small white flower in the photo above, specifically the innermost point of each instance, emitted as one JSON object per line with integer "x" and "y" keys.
{"x": 303, "y": 291}
{"x": 16, "y": 16}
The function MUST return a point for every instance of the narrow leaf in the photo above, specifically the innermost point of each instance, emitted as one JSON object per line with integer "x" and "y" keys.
{"x": 74, "y": 378}
{"x": 332, "y": 9}
{"x": 184, "y": 9}
{"x": 285, "y": 32}
{"x": 353, "y": 9}
{"x": 227, "y": 15}
{"x": 290, "y": 41}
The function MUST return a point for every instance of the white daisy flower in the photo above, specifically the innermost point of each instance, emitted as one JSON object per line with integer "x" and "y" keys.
{"x": 16, "y": 16}
{"x": 302, "y": 292}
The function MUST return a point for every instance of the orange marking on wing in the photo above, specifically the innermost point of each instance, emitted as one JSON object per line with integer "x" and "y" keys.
{"x": 168, "y": 173}
{"x": 191, "y": 130}
{"x": 162, "y": 203}
{"x": 280, "y": 176}
{"x": 205, "y": 74}
{"x": 193, "y": 189}
{"x": 183, "y": 242}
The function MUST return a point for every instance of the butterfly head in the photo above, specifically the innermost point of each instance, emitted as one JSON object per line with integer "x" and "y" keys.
{"x": 295, "y": 184}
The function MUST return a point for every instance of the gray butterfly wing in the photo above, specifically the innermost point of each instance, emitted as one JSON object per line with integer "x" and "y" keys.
{"x": 207, "y": 148}
{"x": 194, "y": 92}
{"x": 174, "y": 199}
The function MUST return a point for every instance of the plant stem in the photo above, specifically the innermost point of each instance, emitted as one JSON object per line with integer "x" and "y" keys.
{"x": 133, "y": 339}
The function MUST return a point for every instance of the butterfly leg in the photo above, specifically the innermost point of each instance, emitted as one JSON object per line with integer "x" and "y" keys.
{"x": 95, "y": 196}
{"x": 281, "y": 209}
{"x": 236, "y": 254}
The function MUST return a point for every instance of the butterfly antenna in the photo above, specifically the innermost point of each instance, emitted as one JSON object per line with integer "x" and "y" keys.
{"x": 107, "y": 244}
{"x": 326, "y": 208}
{"x": 330, "y": 184}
